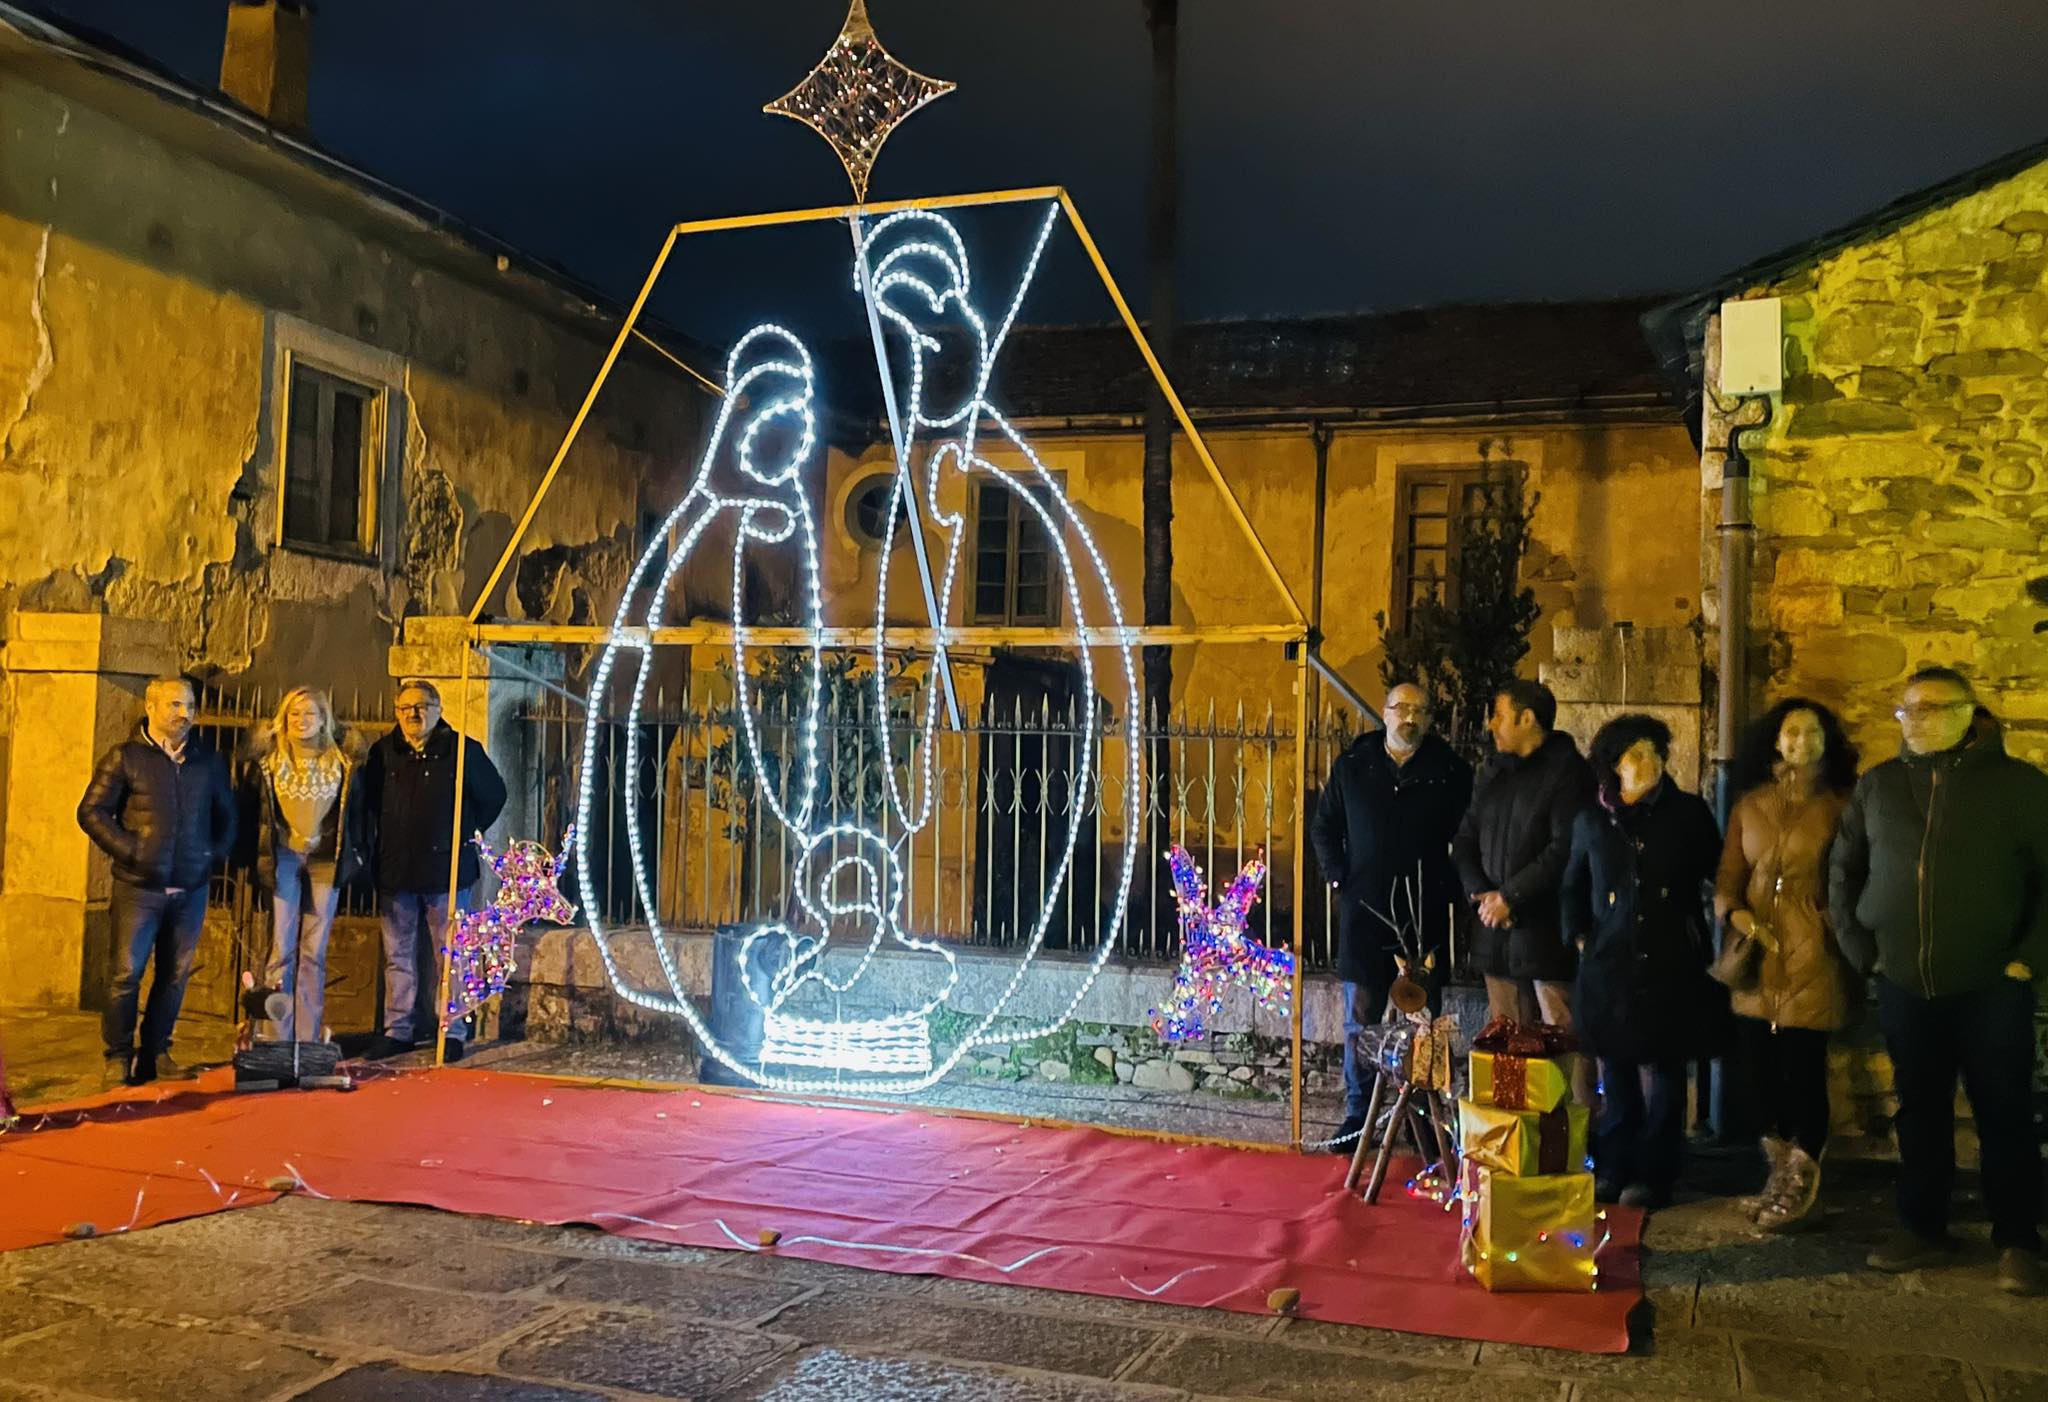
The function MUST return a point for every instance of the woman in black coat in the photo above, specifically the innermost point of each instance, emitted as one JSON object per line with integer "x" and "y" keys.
{"x": 1635, "y": 899}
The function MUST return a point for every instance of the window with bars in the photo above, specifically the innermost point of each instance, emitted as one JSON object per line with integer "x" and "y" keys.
{"x": 1437, "y": 507}
{"x": 1014, "y": 567}
{"x": 332, "y": 451}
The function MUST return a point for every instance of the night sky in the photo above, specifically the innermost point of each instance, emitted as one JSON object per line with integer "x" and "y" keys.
{"x": 1337, "y": 156}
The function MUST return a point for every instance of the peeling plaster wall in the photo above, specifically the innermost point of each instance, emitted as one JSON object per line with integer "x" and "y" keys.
{"x": 145, "y": 257}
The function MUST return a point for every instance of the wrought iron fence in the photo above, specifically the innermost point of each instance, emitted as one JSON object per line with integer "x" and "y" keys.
{"x": 1006, "y": 793}
{"x": 1008, "y": 798}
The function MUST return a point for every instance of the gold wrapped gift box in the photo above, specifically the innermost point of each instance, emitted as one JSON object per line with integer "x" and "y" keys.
{"x": 1522, "y": 1082}
{"x": 1523, "y": 1142}
{"x": 1529, "y": 1233}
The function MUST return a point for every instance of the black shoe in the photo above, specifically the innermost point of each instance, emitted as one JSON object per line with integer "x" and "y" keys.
{"x": 115, "y": 1071}
{"x": 1346, "y": 1140}
{"x": 452, "y": 1051}
{"x": 382, "y": 1048}
{"x": 169, "y": 1070}
{"x": 1909, "y": 1251}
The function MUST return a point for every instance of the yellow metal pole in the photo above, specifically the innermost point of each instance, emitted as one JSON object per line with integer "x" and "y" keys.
{"x": 840, "y": 211}
{"x": 1180, "y": 412}
{"x": 906, "y": 636}
{"x": 455, "y": 863}
{"x": 1300, "y": 862}
{"x": 575, "y": 427}
{"x": 717, "y": 390}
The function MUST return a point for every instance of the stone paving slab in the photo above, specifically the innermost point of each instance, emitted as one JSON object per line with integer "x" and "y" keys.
{"x": 836, "y": 1375}
{"x": 1799, "y": 1370}
{"x": 1266, "y": 1369}
{"x": 2012, "y": 1385}
{"x": 394, "y": 1382}
{"x": 138, "y": 1273}
{"x": 721, "y": 1296}
{"x": 123, "y": 1360}
{"x": 641, "y": 1353}
{"x": 1140, "y": 1313}
{"x": 479, "y": 1267}
{"x": 376, "y": 1314}
{"x": 1059, "y": 1345}
{"x": 1676, "y": 1361}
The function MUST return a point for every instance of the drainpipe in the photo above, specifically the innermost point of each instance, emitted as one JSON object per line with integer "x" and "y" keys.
{"x": 1320, "y": 434}
{"x": 1738, "y": 542}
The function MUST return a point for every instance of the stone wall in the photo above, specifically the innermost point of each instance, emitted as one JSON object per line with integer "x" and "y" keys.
{"x": 1902, "y": 502}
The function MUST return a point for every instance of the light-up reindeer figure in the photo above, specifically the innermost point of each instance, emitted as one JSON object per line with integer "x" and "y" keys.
{"x": 1217, "y": 953}
{"x": 484, "y": 944}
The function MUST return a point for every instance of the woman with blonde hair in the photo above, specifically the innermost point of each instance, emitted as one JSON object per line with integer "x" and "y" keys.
{"x": 304, "y": 816}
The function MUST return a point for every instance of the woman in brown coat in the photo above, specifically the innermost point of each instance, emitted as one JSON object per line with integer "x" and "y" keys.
{"x": 1790, "y": 782}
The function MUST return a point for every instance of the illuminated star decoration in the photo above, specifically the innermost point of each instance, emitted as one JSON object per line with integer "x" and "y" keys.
{"x": 1216, "y": 953}
{"x": 856, "y": 96}
{"x": 484, "y": 946}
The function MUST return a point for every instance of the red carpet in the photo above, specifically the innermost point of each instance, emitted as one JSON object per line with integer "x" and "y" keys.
{"x": 901, "y": 1190}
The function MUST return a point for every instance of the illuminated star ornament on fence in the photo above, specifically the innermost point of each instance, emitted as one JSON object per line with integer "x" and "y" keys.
{"x": 1217, "y": 954}
{"x": 856, "y": 96}
{"x": 484, "y": 945}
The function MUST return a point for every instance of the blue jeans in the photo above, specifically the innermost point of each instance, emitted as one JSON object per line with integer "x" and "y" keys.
{"x": 1639, "y": 1136}
{"x": 302, "y": 914}
{"x": 415, "y": 926}
{"x": 150, "y": 926}
{"x": 1363, "y": 1008}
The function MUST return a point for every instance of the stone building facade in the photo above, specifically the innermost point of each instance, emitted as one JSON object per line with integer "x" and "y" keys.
{"x": 1901, "y": 486}
{"x": 258, "y": 411}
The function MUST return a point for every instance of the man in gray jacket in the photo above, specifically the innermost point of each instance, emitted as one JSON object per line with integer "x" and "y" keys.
{"x": 1940, "y": 883}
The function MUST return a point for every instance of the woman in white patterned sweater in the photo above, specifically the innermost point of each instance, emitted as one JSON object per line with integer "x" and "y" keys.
{"x": 303, "y": 814}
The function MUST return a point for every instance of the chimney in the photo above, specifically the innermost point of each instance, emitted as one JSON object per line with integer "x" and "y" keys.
{"x": 263, "y": 63}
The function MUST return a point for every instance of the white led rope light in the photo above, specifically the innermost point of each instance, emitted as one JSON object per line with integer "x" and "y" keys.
{"x": 891, "y": 1053}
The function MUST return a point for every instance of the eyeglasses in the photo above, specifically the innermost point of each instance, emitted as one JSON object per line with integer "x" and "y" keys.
{"x": 421, "y": 709}
{"x": 1408, "y": 710}
{"x": 1930, "y": 710}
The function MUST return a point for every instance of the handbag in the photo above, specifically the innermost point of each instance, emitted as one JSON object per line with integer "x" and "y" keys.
{"x": 1739, "y": 965}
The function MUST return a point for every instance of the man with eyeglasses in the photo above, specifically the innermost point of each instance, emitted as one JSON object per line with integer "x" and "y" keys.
{"x": 1382, "y": 834}
{"x": 409, "y": 791}
{"x": 1940, "y": 883}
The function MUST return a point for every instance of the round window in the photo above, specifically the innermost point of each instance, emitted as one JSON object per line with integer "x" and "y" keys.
{"x": 867, "y": 511}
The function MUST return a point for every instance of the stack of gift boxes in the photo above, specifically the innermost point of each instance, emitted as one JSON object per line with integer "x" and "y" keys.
{"x": 1530, "y": 1222}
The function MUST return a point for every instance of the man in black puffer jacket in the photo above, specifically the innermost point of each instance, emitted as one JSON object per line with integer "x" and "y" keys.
{"x": 409, "y": 795}
{"x": 160, "y": 805}
{"x": 1939, "y": 881}
{"x": 1511, "y": 852}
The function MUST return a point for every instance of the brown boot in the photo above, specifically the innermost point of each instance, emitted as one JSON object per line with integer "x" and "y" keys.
{"x": 1776, "y": 1152}
{"x": 1797, "y": 1192}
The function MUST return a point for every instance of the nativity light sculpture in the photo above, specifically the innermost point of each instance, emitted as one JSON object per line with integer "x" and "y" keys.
{"x": 913, "y": 275}
{"x": 755, "y": 480}
{"x": 935, "y": 354}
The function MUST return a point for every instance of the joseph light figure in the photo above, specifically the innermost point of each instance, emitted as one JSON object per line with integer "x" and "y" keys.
{"x": 757, "y": 476}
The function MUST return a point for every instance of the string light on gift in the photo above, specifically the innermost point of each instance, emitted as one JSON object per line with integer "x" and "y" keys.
{"x": 483, "y": 944}
{"x": 1217, "y": 954}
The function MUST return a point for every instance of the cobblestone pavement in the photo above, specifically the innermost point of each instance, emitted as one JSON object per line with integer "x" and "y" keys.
{"x": 338, "y": 1302}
